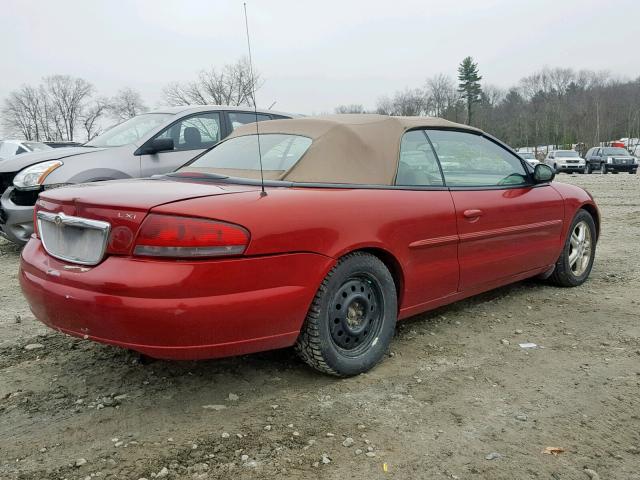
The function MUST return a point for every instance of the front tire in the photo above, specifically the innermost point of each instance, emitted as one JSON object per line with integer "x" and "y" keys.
{"x": 352, "y": 319}
{"x": 589, "y": 169}
{"x": 576, "y": 260}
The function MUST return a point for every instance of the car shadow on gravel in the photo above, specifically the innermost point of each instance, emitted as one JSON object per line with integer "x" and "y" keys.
{"x": 102, "y": 361}
{"x": 522, "y": 288}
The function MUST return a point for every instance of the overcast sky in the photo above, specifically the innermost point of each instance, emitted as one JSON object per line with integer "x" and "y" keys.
{"x": 312, "y": 55}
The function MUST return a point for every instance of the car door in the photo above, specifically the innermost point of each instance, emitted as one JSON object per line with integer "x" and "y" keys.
{"x": 597, "y": 157}
{"x": 426, "y": 224}
{"x": 191, "y": 135}
{"x": 589, "y": 156}
{"x": 506, "y": 224}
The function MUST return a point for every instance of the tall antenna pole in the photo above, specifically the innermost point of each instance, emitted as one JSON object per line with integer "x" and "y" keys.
{"x": 263, "y": 192}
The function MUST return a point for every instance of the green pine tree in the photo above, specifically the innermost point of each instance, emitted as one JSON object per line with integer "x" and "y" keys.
{"x": 469, "y": 85}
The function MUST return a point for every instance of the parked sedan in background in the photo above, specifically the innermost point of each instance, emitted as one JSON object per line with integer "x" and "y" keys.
{"x": 359, "y": 224}
{"x": 565, "y": 161}
{"x": 611, "y": 159}
{"x": 11, "y": 148}
{"x": 152, "y": 143}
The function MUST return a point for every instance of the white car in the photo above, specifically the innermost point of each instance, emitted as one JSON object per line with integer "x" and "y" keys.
{"x": 529, "y": 157}
{"x": 565, "y": 161}
{"x": 11, "y": 148}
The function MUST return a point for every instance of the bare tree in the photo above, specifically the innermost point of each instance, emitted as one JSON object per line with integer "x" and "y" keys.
{"x": 20, "y": 113}
{"x": 92, "y": 114}
{"x": 231, "y": 85}
{"x": 126, "y": 104}
{"x": 60, "y": 105}
{"x": 384, "y": 106}
{"x": 67, "y": 96}
{"x": 408, "y": 102}
{"x": 351, "y": 108}
{"x": 492, "y": 95}
{"x": 441, "y": 93}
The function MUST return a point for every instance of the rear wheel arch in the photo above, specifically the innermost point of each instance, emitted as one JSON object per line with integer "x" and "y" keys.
{"x": 392, "y": 264}
{"x": 348, "y": 327}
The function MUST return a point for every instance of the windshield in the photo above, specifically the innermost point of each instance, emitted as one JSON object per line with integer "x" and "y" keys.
{"x": 36, "y": 146}
{"x": 567, "y": 153}
{"x": 129, "y": 131}
{"x": 615, "y": 151}
{"x": 527, "y": 155}
{"x": 238, "y": 156}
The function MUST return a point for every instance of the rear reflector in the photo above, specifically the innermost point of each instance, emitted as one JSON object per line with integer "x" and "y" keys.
{"x": 172, "y": 236}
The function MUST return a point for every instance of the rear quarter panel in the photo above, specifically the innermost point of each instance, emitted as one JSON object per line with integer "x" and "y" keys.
{"x": 417, "y": 228}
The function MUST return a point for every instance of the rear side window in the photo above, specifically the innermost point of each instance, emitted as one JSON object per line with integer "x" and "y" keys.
{"x": 238, "y": 119}
{"x": 239, "y": 156}
{"x": 417, "y": 165}
{"x": 470, "y": 160}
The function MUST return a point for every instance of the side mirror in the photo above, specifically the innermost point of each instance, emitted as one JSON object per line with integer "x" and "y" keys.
{"x": 156, "y": 145}
{"x": 543, "y": 173}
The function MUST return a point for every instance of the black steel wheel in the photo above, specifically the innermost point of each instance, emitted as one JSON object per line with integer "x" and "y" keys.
{"x": 357, "y": 317}
{"x": 352, "y": 318}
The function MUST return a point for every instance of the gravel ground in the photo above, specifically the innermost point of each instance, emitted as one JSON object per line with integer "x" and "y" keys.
{"x": 457, "y": 396}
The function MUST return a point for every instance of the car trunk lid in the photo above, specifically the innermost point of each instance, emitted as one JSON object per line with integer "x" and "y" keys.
{"x": 120, "y": 205}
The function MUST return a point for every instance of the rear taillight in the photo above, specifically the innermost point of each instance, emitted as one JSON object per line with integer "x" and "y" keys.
{"x": 188, "y": 237}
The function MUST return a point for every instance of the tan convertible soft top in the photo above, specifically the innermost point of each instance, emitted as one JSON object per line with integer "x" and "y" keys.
{"x": 360, "y": 149}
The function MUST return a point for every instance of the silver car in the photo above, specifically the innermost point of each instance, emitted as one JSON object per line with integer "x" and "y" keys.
{"x": 565, "y": 161}
{"x": 149, "y": 144}
{"x": 11, "y": 148}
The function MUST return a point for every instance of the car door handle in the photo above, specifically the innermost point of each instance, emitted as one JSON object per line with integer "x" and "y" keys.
{"x": 471, "y": 214}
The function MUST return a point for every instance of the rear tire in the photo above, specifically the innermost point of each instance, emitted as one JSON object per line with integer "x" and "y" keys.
{"x": 352, "y": 319}
{"x": 576, "y": 260}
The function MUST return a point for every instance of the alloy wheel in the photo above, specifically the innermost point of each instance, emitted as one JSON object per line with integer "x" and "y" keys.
{"x": 580, "y": 248}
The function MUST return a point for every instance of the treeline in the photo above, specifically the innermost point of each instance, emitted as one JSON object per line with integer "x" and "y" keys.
{"x": 556, "y": 106}
{"x": 64, "y": 108}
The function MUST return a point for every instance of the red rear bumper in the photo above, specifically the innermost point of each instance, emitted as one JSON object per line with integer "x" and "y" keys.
{"x": 176, "y": 309}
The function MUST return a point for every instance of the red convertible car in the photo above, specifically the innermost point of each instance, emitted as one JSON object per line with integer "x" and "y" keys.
{"x": 363, "y": 220}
